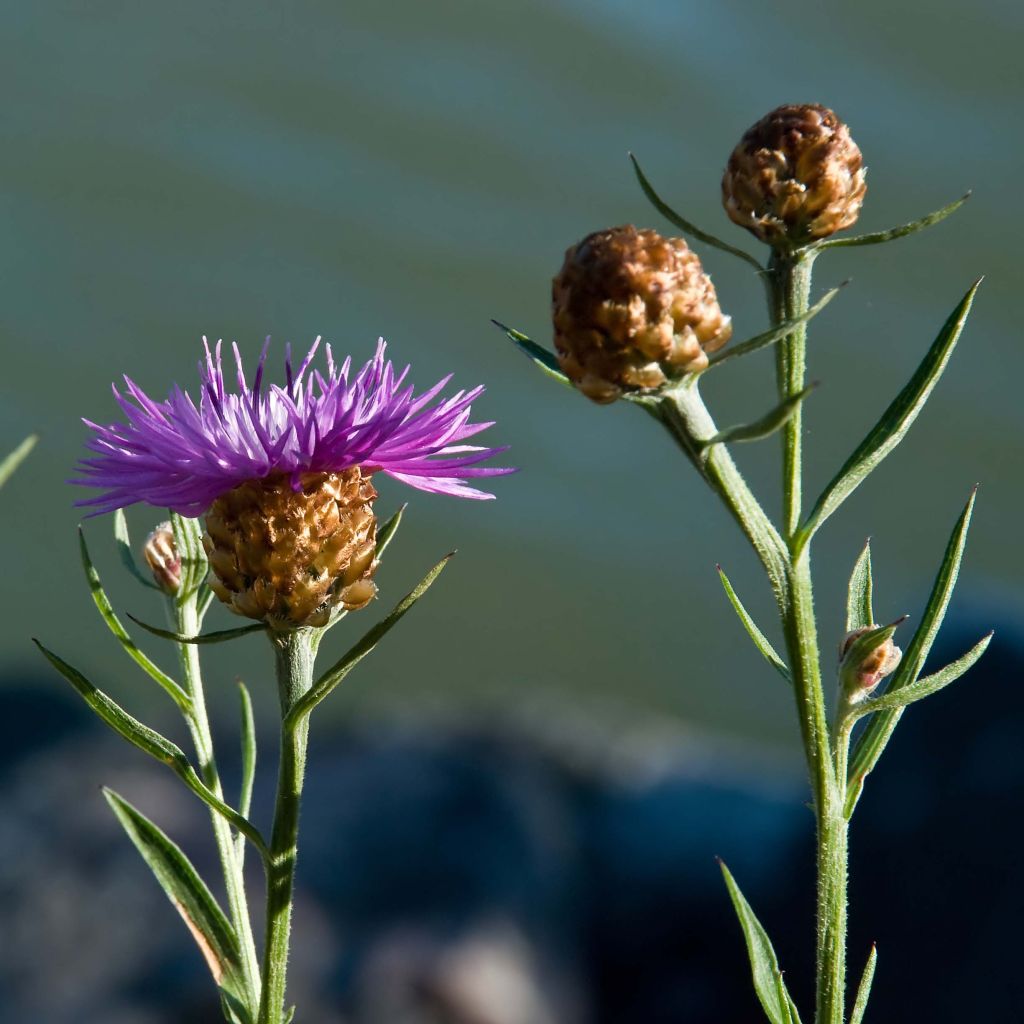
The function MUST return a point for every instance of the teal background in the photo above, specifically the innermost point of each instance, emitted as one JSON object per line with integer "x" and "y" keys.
{"x": 412, "y": 170}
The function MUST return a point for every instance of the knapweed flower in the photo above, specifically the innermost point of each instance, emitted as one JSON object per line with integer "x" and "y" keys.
{"x": 795, "y": 176}
{"x": 633, "y": 310}
{"x": 282, "y": 473}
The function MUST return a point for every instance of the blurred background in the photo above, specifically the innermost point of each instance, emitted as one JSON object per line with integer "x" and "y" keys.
{"x": 515, "y": 805}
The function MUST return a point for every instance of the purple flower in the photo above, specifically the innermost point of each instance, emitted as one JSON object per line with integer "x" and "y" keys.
{"x": 175, "y": 454}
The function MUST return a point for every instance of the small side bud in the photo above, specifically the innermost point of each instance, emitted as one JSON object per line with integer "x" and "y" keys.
{"x": 795, "y": 176}
{"x": 162, "y": 557}
{"x": 866, "y": 657}
{"x": 633, "y": 310}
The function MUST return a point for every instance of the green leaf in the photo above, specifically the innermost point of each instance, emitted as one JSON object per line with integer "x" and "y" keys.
{"x": 768, "y": 983}
{"x": 217, "y": 637}
{"x": 929, "y": 684}
{"x": 864, "y": 988}
{"x": 875, "y": 237}
{"x": 546, "y": 361}
{"x": 784, "y": 329}
{"x": 879, "y": 729}
{"x": 386, "y": 534}
{"x": 859, "y": 614}
{"x": 684, "y": 225}
{"x": 177, "y": 694}
{"x": 289, "y": 1016}
{"x": 180, "y": 881}
{"x": 16, "y": 458}
{"x": 124, "y": 550}
{"x": 341, "y": 668}
{"x": 760, "y": 640}
{"x": 894, "y": 424}
{"x": 152, "y": 743}
{"x": 248, "y": 759}
{"x": 188, "y": 539}
{"x": 767, "y": 425}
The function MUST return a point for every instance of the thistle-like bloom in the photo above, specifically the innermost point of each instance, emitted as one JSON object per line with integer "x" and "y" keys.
{"x": 795, "y": 176}
{"x": 633, "y": 310}
{"x": 282, "y": 473}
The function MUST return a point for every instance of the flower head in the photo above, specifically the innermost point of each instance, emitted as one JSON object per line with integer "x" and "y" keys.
{"x": 183, "y": 455}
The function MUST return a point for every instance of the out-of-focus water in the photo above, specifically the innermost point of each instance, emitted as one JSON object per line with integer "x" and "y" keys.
{"x": 413, "y": 170}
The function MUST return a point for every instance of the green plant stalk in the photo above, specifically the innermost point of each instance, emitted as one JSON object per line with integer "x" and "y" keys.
{"x": 789, "y": 277}
{"x": 295, "y": 652}
{"x": 185, "y": 620}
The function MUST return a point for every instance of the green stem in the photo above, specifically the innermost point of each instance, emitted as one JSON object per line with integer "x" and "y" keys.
{"x": 295, "y": 652}
{"x": 186, "y": 622}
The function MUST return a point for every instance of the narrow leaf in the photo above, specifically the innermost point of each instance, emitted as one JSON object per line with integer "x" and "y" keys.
{"x": 386, "y": 534}
{"x": 760, "y": 640}
{"x": 188, "y": 893}
{"x": 188, "y": 539}
{"x": 178, "y": 695}
{"x": 784, "y": 329}
{"x": 124, "y": 550}
{"x": 235, "y": 1011}
{"x": 767, "y": 425}
{"x": 929, "y": 684}
{"x": 289, "y": 1016}
{"x": 684, "y": 225}
{"x": 895, "y": 422}
{"x": 768, "y": 983}
{"x": 341, "y": 668}
{"x": 875, "y": 237}
{"x": 864, "y": 988}
{"x": 537, "y": 354}
{"x": 217, "y": 637}
{"x": 859, "y": 614}
{"x": 876, "y": 734}
{"x": 16, "y": 458}
{"x": 248, "y": 760}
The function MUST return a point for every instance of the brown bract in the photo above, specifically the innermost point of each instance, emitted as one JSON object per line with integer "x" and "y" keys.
{"x": 289, "y": 558}
{"x": 795, "y": 176}
{"x": 632, "y": 310}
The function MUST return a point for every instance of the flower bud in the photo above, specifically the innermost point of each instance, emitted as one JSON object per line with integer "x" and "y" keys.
{"x": 795, "y": 176}
{"x": 867, "y": 656}
{"x": 161, "y": 554}
{"x": 633, "y": 310}
{"x": 290, "y": 557}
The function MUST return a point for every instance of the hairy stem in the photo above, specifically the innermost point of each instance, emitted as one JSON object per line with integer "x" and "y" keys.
{"x": 295, "y": 652}
{"x": 186, "y": 622}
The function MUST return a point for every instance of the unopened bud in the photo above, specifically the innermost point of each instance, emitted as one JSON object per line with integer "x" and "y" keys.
{"x": 795, "y": 176}
{"x": 866, "y": 657}
{"x": 161, "y": 554}
{"x": 633, "y": 310}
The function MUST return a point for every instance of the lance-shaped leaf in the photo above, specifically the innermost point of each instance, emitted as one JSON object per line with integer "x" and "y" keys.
{"x": 767, "y": 425}
{"x": 859, "y": 614}
{"x": 895, "y": 422}
{"x": 177, "y": 694}
{"x": 761, "y": 642}
{"x": 210, "y": 928}
{"x": 386, "y": 534}
{"x": 928, "y": 685}
{"x": 124, "y": 550}
{"x": 759, "y": 341}
{"x": 248, "y": 732}
{"x": 768, "y": 983}
{"x": 152, "y": 743}
{"x": 545, "y": 361}
{"x": 348, "y": 661}
{"x": 188, "y": 539}
{"x": 875, "y": 237}
{"x": 218, "y": 636}
{"x": 686, "y": 226}
{"x": 16, "y": 458}
{"x": 876, "y": 734}
{"x": 864, "y": 988}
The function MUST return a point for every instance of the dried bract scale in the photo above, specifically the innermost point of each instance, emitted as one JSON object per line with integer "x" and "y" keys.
{"x": 290, "y": 557}
{"x": 795, "y": 176}
{"x": 282, "y": 474}
{"x": 162, "y": 557}
{"x": 633, "y": 310}
{"x": 871, "y": 668}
